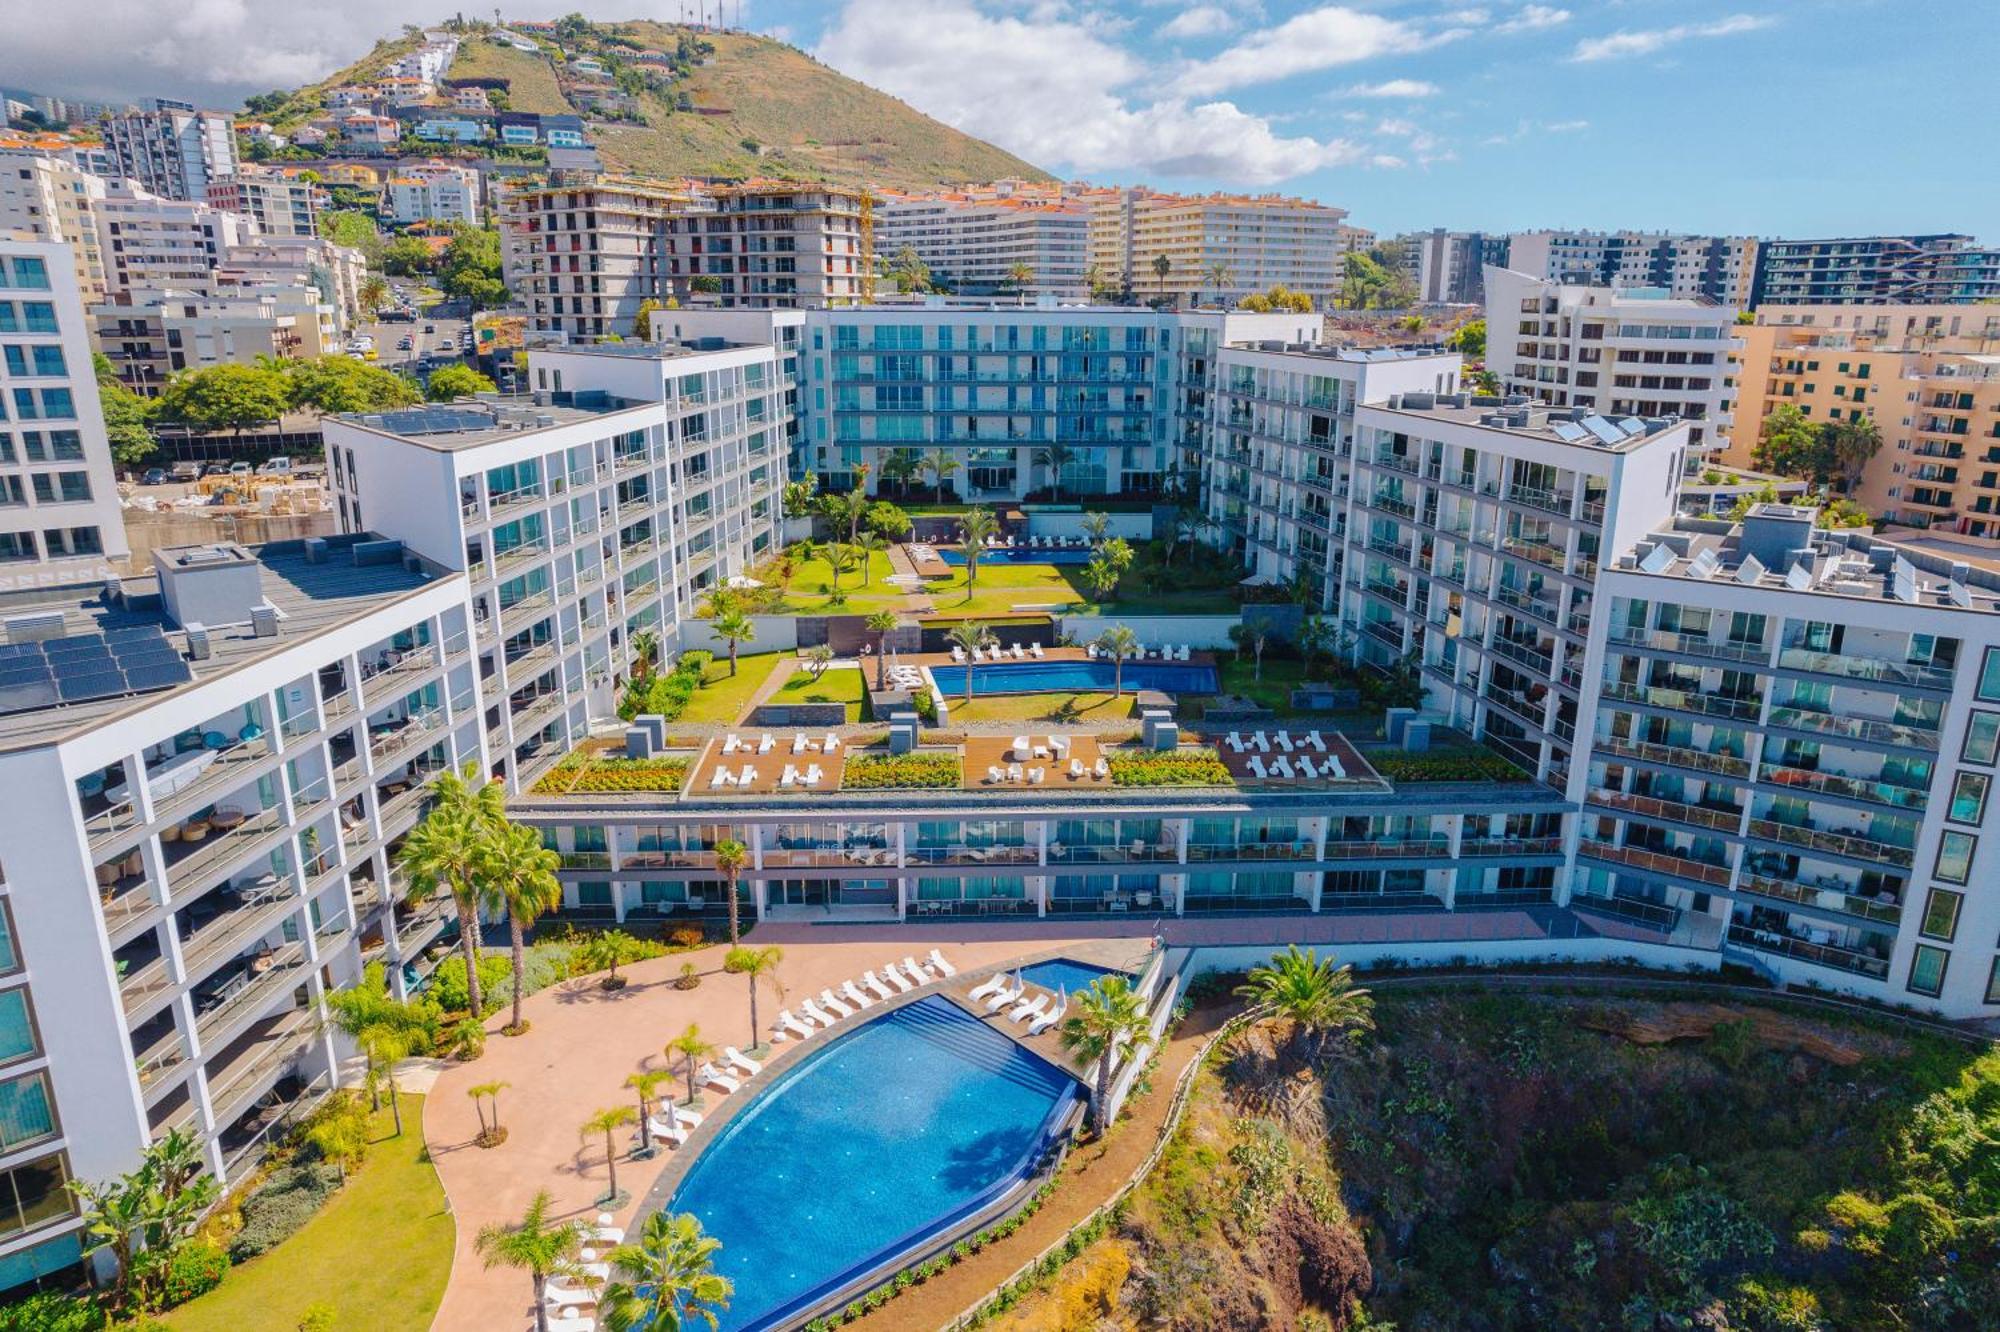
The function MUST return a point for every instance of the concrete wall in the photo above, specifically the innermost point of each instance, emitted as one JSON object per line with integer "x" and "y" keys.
{"x": 1196, "y": 631}
{"x": 775, "y": 633}
{"x": 1447, "y": 952}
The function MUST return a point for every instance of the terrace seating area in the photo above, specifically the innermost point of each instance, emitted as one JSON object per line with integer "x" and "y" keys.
{"x": 1292, "y": 758}
{"x": 760, "y": 762}
{"x": 1057, "y": 761}
{"x": 835, "y": 1004}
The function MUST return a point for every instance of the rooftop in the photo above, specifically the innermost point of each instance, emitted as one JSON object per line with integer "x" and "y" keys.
{"x": 470, "y": 422}
{"x": 1522, "y": 416}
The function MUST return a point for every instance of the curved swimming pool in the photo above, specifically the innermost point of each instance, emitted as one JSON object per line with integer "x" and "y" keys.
{"x": 1035, "y": 677}
{"x": 896, "y": 1131}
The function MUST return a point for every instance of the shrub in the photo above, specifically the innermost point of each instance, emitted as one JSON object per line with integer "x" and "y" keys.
{"x": 900, "y": 771}
{"x": 1179, "y": 767}
{"x": 276, "y": 1209}
{"x": 681, "y": 938}
{"x": 195, "y": 1269}
{"x": 52, "y": 1311}
{"x": 1465, "y": 764}
{"x": 448, "y": 984}
{"x": 616, "y": 775}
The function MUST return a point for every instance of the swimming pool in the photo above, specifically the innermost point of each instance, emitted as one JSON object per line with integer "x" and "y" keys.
{"x": 1061, "y": 973}
{"x": 1035, "y": 677}
{"x": 897, "y": 1130}
{"x": 1018, "y": 555}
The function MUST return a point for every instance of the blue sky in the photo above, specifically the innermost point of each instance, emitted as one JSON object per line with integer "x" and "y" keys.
{"x": 1772, "y": 117}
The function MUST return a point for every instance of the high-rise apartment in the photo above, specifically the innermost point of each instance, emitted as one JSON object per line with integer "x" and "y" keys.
{"x": 1217, "y": 246}
{"x": 764, "y": 246}
{"x": 44, "y": 197}
{"x": 150, "y": 241}
{"x": 276, "y": 205}
{"x": 431, "y": 192}
{"x": 1449, "y": 267}
{"x": 1941, "y": 269}
{"x": 1715, "y": 268}
{"x": 173, "y": 150}
{"x": 976, "y": 241}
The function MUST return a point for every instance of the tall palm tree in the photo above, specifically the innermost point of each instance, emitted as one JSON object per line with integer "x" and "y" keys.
{"x": 840, "y": 557}
{"x": 752, "y": 963}
{"x": 645, "y": 1082}
{"x": 482, "y": 1093}
{"x": 1102, "y": 1017}
{"x": 692, "y": 1047}
{"x": 1311, "y": 994}
{"x": 973, "y": 637}
{"x": 608, "y": 1121}
{"x": 902, "y": 466}
{"x": 1119, "y": 643}
{"x": 1219, "y": 275}
{"x": 868, "y": 543}
{"x": 1054, "y": 457}
{"x": 1019, "y": 276}
{"x": 730, "y": 858}
{"x": 733, "y": 626}
{"x": 518, "y": 877}
{"x": 973, "y": 529}
{"x": 373, "y": 294}
{"x": 1097, "y": 528}
{"x": 880, "y": 624}
{"x": 1161, "y": 267}
{"x": 443, "y": 852}
{"x": 645, "y": 654}
{"x": 535, "y": 1244}
{"x": 941, "y": 465}
{"x": 668, "y": 1281}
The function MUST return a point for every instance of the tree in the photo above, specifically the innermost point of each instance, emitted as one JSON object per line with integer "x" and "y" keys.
{"x": 338, "y": 1131}
{"x": 519, "y": 878}
{"x": 608, "y": 1121}
{"x": 941, "y": 465}
{"x": 668, "y": 1279}
{"x": 1310, "y": 994}
{"x": 127, "y": 416}
{"x": 444, "y": 852}
{"x": 332, "y": 385}
{"x": 730, "y": 858}
{"x": 1102, "y": 1017}
{"x": 469, "y": 268}
{"x": 1188, "y": 525}
{"x": 1375, "y": 281}
{"x": 817, "y": 661}
{"x": 1317, "y": 635}
{"x": 645, "y": 654}
{"x": 1119, "y": 643}
{"x": 881, "y": 624}
{"x": 1250, "y": 636}
{"x": 973, "y": 530}
{"x": 226, "y": 397}
{"x": 1054, "y": 458}
{"x": 1469, "y": 340}
{"x": 152, "y": 1211}
{"x": 644, "y": 1084}
{"x": 384, "y": 1029}
{"x": 408, "y": 256}
{"x": 692, "y": 1047}
{"x": 482, "y": 1093}
{"x": 1019, "y": 276}
{"x": 866, "y": 547}
{"x": 1219, "y": 276}
{"x": 904, "y": 467}
{"x": 752, "y": 963}
{"x": 1279, "y": 298}
{"x": 608, "y": 950}
{"x": 841, "y": 558}
{"x": 355, "y": 230}
{"x": 536, "y": 1245}
{"x": 448, "y": 382}
{"x": 1161, "y": 267}
{"x": 1848, "y": 445}
{"x": 908, "y": 270}
{"x": 845, "y": 510}
{"x": 734, "y": 626}
{"x": 1107, "y": 566}
{"x": 642, "y": 319}
{"x": 973, "y": 637}
{"x": 1097, "y": 527}
{"x": 373, "y": 295}
{"x": 1788, "y": 442}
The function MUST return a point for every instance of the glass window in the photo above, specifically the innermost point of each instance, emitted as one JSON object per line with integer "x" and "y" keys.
{"x": 1982, "y": 738}
{"x": 1954, "y": 862}
{"x": 1993, "y": 983}
{"x": 1927, "y": 970}
{"x": 25, "y": 1113}
{"x": 10, "y": 958}
{"x": 1968, "y": 797}
{"x": 1941, "y": 914}
{"x": 1989, "y": 676}
{"x": 17, "y": 1025}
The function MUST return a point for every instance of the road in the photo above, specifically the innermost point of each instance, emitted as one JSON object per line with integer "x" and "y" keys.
{"x": 423, "y": 344}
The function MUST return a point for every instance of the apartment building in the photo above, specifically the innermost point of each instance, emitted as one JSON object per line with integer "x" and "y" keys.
{"x": 976, "y": 242}
{"x": 276, "y": 205}
{"x": 1924, "y": 375}
{"x": 43, "y": 197}
{"x": 1715, "y": 268}
{"x": 1449, "y": 267}
{"x": 59, "y": 515}
{"x": 584, "y": 258}
{"x": 1938, "y": 269}
{"x": 432, "y": 192}
{"x": 151, "y": 334}
{"x": 1218, "y": 247}
{"x": 1620, "y": 351}
{"x": 299, "y": 261}
{"x": 766, "y": 246}
{"x": 150, "y": 241}
{"x": 172, "y": 150}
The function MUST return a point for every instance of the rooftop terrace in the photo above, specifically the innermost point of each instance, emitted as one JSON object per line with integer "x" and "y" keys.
{"x": 1517, "y": 415}
{"x": 470, "y": 422}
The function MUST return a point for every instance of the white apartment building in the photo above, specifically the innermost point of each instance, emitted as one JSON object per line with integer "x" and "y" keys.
{"x": 47, "y": 198}
{"x": 150, "y": 334}
{"x": 432, "y": 192}
{"x": 276, "y": 205}
{"x": 59, "y": 515}
{"x": 973, "y": 242}
{"x": 173, "y": 151}
{"x": 1718, "y": 268}
{"x": 1618, "y": 351}
{"x": 150, "y": 241}
{"x": 1219, "y": 246}
{"x": 428, "y": 62}
{"x": 1449, "y": 267}
{"x": 299, "y": 261}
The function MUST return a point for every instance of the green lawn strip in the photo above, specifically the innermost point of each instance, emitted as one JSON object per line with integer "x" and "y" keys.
{"x": 723, "y": 698}
{"x": 843, "y": 685}
{"x": 1088, "y": 707}
{"x": 379, "y": 1252}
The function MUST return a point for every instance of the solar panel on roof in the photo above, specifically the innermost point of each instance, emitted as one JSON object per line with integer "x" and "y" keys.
{"x": 26, "y": 697}
{"x": 80, "y": 668}
{"x": 96, "y": 684}
{"x": 1606, "y": 432}
{"x": 162, "y": 675}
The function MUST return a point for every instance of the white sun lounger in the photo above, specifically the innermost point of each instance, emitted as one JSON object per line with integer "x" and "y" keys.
{"x": 787, "y": 1025}
{"x": 958, "y": 654}
{"x": 683, "y": 1116}
{"x": 942, "y": 967}
{"x": 667, "y": 1131}
{"x": 1312, "y": 738}
{"x": 730, "y": 744}
{"x": 1306, "y": 767}
{"x": 1281, "y": 767}
{"x": 1262, "y": 741}
{"x": 991, "y": 985}
{"x": 1020, "y": 653}
{"x": 1076, "y": 767}
{"x": 1014, "y": 772}
{"x": 852, "y": 993}
{"x": 789, "y": 777}
{"x": 916, "y": 980}
{"x": 1100, "y": 768}
{"x": 995, "y": 774}
{"x": 1007, "y": 997}
{"x": 831, "y": 743}
{"x": 1032, "y": 1008}
{"x": 873, "y": 983}
{"x": 565, "y": 1289}
{"x": 918, "y": 969}
{"x": 711, "y": 1076}
{"x": 1050, "y": 1017}
{"x": 895, "y": 978}
{"x": 813, "y": 774}
{"x": 736, "y": 1059}
{"x": 720, "y": 777}
{"x": 748, "y": 775}
{"x": 816, "y": 1013}
{"x": 1257, "y": 766}
{"x": 1333, "y": 769}
{"x": 1035, "y": 775}
{"x": 1235, "y": 742}
{"x": 1035, "y": 650}
{"x": 799, "y": 745}
{"x": 1091, "y": 649}
{"x": 1285, "y": 741}
{"x": 833, "y": 1005}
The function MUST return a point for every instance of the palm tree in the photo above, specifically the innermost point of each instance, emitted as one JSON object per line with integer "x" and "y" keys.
{"x": 645, "y": 654}
{"x": 752, "y": 963}
{"x": 973, "y": 637}
{"x": 1054, "y": 457}
{"x": 487, "y": 1091}
{"x": 519, "y": 876}
{"x": 867, "y": 544}
{"x": 1103, "y": 1017}
{"x": 373, "y": 294}
{"x": 692, "y": 1047}
{"x": 941, "y": 465}
{"x": 645, "y": 1082}
{"x": 973, "y": 529}
{"x": 534, "y": 1243}
{"x": 847, "y": 509}
{"x": 880, "y": 624}
{"x": 1019, "y": 275}
{"x": 1119, "y": 643}
{"x": 1311, "y": 994}
{"x": 730, "y": 858}
{"x": 733, "y": 626}
{"x": 1097, "y": 527}
{"x": 1161, "y": 267}
{"x": 443, "y": 852}
{"x": 1219, "y": 275}
{"x": 608, "y": 1121}
{"x": 840, "y": 557}
{"x": 902, "y": 466}
{"x": 669, "y": 1281}
{"x": 817, "y": 660}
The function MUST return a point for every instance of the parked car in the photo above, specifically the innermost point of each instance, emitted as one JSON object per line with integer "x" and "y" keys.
{"x": 430, "y": 328}
{"x": 241, "y": 469}
{"x": 278, "y": 466}
{"x": 446, "y": 344}
{"x": 186, "y": 471}
{"x": 216, "y": 469}
{"x": 155, "y": 476}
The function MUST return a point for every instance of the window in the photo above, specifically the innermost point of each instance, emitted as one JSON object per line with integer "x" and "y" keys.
{"x": 1968, "y": 798}
{"x": 1989, "y": 677}
{"x": 34, "y": 1194}
{"x": 10, "y": 960}
{"x": 1993, "y": 983}
{"x": 1982, "y": 738}
{"x": 1927, "y": 968}
{"x": 17, "y": 1025}
{"x": 25, "y": 1112}
{"x": 1941, "y": 914}
{"x": 1954, "y": 862}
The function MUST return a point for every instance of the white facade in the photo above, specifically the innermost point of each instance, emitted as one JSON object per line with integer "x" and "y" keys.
{"x": 276, "y": 205}
{"x": 1217, "y": 247}
{"x": 1719, "y": 268}
{"x": 973, "y": 245}
{"x": 175, "y": 152}
{"x": 149, "y": 241}
{"x": 432, "y": 193}
{"x": 47, "y": 198}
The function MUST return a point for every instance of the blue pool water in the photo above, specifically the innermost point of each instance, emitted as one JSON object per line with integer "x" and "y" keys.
{"x": 893, "y": 1132}
{"x": 1061, "y": 973}
{"x": 1017, "y": 555}
{"x": 1034, "y": 677}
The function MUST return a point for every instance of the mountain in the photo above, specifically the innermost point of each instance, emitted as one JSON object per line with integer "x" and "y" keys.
{"x": 729, "y": 105}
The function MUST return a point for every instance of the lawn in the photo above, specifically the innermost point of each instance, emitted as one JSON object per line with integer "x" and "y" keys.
{"x": 723, "y": 698}
{"x": 844, "y": 685}
{"x": 379, "y": 1252}
{"x": 1040, "y": 707}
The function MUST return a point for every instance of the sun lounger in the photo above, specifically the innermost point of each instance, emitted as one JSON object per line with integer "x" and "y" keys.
{"x": 994, "y": 774}
{"x": 940, "y": 966}
{"x": 729, "y": 744}
{"x": 748, "y": 775}
{"x": 1020, "y": 653}
{"x": 720, "y": 777}
{"x": 1306, "y": 767}
{"x": 916, "y": 980}
{"x": 667, "y": 1131}
{"x": 1312, "y": 738}
{"x": 991, "y": 985}
{"x": 918, "y": 969}
{"x": 875, "y": 985}
{"x": 577, "y": 1322}
{"x": 765, "y": 744}
{"x": 711, "y": 1076}
{"x": 1058, "y": 745}
{"x": 1075, "y": 768}
{"x": 789, "y": 777}
{"x": 681, "y": 1115}
{"x": 1035, "y": 650}
{"x": 817, "y": 1014}
{"x": 799, "y": 745}
{"x": 1007, "y": 997}
{"x": 1036, "y": 774}
{"x": 1334, "y": 771}
{"x": 1257, "y": 766}
{"x": 1050, "y": 1017}
{"x": 1235, "y": 742}
{"x": 1100, "y": 769}
{"x": 736, "y": 1059}
{"x": 1032, "y": 1008}
{"x": 1285, "y": 741}
{"x": 852, "y": 993}
{"x": 1262, "y": 741}
{"x": 1282, "y": 767}
{"x": 834, "y": 1006}
{"x": 1091, "y": 649}
{"x": 957, "y": 653}
{"x": 813, "y": 774}
{"x": 566, "y": 1290}
{"x": 787, "y": 1025}
{"x": 896, "y": 978}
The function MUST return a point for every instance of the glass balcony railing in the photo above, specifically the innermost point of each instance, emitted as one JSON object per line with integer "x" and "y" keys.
{"x": 1693, "y": 645}
{"x": 1855, "y": 728}
{"x": 1825, "y": 955}
{"x": 1679, "y": 756}
{"x": 1657, "y": 861}
{"x": 1870, "y": 669}
{"x": 1682, "y": 700}
{"x": 1833, "y": 843}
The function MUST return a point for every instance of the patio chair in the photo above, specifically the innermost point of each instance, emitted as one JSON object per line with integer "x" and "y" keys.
{"x": 1075, "y": 768}
{"x": 958, "y": 654}
{"x": 1257, "y": 766}
{"x": 730, "y": 744}
{"x": 1306, "y": 767}
{"x": 1312, "y": 738}
{"x": 1101, "y": 769}
{"x": 831, "y": 744}
{"x": 765, "y": 744}
{"x": 994, "y": 774}
{"x": 1059, "y": 746}
{"x": 1035, "y": 775}
{"x": 1013, "y": 772}
{"x": 1021, "y": 748}
{"x": 813, "y": 774}
{"x": 1020, "y": 653}
{"x": 1035, "y": 650}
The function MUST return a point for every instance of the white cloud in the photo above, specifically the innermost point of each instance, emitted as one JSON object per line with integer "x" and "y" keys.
{"x": 1564, "y": 126}
{"x": 1200, "y": 21}
{"x": 1394, "y": 88}
{"x": 1322, "y": 38}
{"x": 1646, "y": 41}
{"x": 1525, "y": 128}
{"x": 1056, "y": 93}
{"x": 1533, "y": 18}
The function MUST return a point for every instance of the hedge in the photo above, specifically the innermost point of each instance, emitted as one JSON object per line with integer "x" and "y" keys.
{"x": 900, "y": 771}
{"x": 277, "y": 1208}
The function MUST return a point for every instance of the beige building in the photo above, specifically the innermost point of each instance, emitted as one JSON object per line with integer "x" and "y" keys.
{"x": 150, "y": 335}
{"x": 45, "y": 198}
{"x": 279, "y": 205}
{"x": 1217, "y": 246}
{"x": 583, "y": 258}
{"x": 1928, "y": 376}
{"x": 771, "y": 246}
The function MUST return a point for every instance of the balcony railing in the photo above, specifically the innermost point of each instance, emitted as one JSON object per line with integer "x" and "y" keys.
{"x": 378, "y": 682}
{"x": 1855, "y": 788}
{"x": 1682, "y": 700}
{"x": 289, "y": 1038}
{"x": 219, "y": 848}
{"x": 1728, "y": 821}
{"x": 1693, "y": 645}
{"x": 1864, "y": 668}
{"x": 1806, "y": 894}
{"x": 1855, "y": 728}
{"x": 1064, "y": 853}
{"x": 1825, "y": 955}
{"x": 283, "y": 972}
{"x": 1657, "y": 861}
{"x": 1839, "y": 844}
{"x": 1678, "y": 756}
{"x": 222, "y": 771}
{"x": 227, "y": 934}
{"x": 1554, "y": 501}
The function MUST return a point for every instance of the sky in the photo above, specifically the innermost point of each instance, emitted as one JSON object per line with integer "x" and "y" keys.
{"x": 1762, "y": 117}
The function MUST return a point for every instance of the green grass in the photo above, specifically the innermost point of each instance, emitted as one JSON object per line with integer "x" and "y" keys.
{"x": 379, "y": 1252}
{"x": 723, "y": 698}
{"x": 844, "y": 685}
{"x": 1040, "y": 707}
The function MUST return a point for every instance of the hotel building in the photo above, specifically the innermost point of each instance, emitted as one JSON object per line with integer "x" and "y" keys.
{"x": 1713, "y": 268}
{"x": 173, "y": 150}
{"x": 1219, "y": 247}
{"x": 973, "y": 240}
{"x": 1877, "y": 270}
{"x": 276, "y": 205}
{"x": 43, "y": 197}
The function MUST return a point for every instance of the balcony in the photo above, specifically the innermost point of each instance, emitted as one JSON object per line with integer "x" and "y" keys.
{"x": 1658, "y": 862}
{"x": 224, "y": 771}
{"x": 1677, "y": 756}
{"x": 1691, "y": 645}
{"x": 1683, "y": 700}
{"x": 1807, "y": 894}
{"x": 1549, "y": 612}
{"x": 1100, "y": 853}
{"x": 1532, "y": 655}
{"x": 393, "y": 742}
{"x": 379, "y": 679}
{"x": 1825, "y": 955}
{"x": 1673, "y": 811}
{"x": 1854, "y": 788}
{"x": 227, "y": 933}
{"x": 1870, "y": 669}
{"x": 1867, "y": 729}
{"x": 1510, "y": 846}
{"x": 231, "y": 997}
{"x": 1553, "y": 501}
{"x": 259, "y": 1054}
{"x": 1833, "y": 843}
{"x": 188, "y": 868}
{"x": 1386, "y": 848}
{"x": 1299, "y": 850}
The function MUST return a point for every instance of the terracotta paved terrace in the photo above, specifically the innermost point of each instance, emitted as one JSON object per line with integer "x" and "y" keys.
{"x": 1058, "y": 761}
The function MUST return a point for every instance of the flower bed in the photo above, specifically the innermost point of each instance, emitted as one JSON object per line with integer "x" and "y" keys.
{"x": 928, "y": 769}
{"x": 1468, "y": 764}
{"x": 1179, "y": 767}
{"x": 582, "y": 773}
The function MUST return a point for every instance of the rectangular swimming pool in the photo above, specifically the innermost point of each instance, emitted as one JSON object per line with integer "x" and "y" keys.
{"x": 1074, "y": 677}
{"x": 1016, "y": 555}
{"x": 1060, "y": 973}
